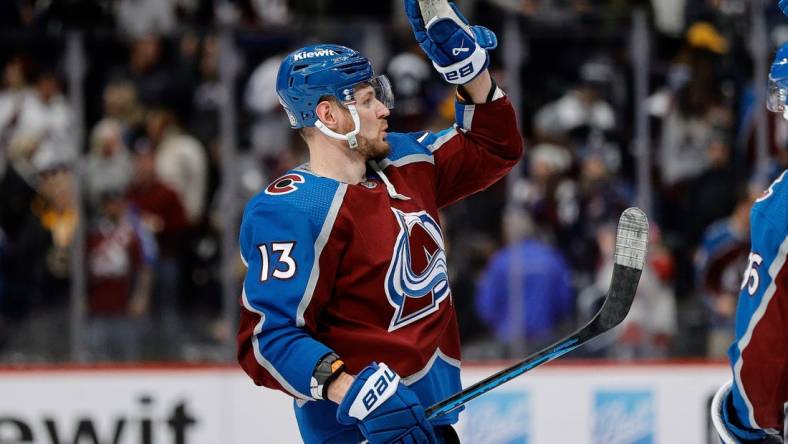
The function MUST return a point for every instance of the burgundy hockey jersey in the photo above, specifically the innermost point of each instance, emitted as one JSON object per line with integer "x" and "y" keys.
{"x": 349, "y": 268}
{"x": 759, "y": 355}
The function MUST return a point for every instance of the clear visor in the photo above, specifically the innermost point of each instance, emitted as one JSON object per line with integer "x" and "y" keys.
{"x": 775, "y": 101}
{"x": 382, "y": 88}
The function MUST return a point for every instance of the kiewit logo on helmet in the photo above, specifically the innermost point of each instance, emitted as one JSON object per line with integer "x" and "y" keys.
{"x": 309, "y": 54}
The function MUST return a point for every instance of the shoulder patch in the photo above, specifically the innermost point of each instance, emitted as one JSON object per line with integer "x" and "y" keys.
{"x": 285, "y": 184}
{"x": 299, "y": 191}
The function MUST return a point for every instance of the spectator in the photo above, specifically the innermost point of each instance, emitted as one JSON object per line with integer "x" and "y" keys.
{"x": 159, "y": 207}
{"x": 14, "y": 89}
{"x": 602, "y": 196}
{"x": 714, "y": 191}
{"x": 108, "y": 163}
{"x": 40, "y": 269}
{"x": 525, "y": 294}
{"x": 162, "y": 213}
{"x": 719, "y": 261}
{"x": 547, "y": 193}
{"x": 410, "y": 74}
{"x": 42, "y": 112}
{"x": 146, "y": 71}
{"x": 270, "y": 131}
{"x": 122, "y": 104}
{"x": 582, "y": 116}
{"x": 138, "y": 18}
{"x": 208, "y": 94}
{"x": 181, "y": 161}
{"x": 264, "y": 13}
{"x": 18, "y": 184}
{"x": 119, "y": 282}
{"x": 697, "y": 108}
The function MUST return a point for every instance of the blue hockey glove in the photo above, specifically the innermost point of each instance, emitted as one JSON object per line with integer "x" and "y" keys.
{"x": 783, "y": 4}
{"x": 384, "y": 410}
{"x": 457, "y": 50}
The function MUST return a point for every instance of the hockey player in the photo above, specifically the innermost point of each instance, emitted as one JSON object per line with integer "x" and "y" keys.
{"x": 750, "y": 408}
{"x": 346, "y": 304}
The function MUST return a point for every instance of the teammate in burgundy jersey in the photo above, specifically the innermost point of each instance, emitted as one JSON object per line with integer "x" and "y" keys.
{"x": 751, "y": 407}
{"x": 346, "y": 304}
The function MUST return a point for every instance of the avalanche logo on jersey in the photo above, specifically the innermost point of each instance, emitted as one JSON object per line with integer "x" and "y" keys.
{"x": 284, "y": 185}
{"x": 417, "y": 279}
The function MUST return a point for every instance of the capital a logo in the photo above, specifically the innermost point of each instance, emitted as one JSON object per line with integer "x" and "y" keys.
{"x": 417, "y": 279}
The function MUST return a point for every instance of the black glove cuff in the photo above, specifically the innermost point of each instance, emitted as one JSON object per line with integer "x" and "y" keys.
{"x": 464, "y": 97}
{"x": 326, "y": 371}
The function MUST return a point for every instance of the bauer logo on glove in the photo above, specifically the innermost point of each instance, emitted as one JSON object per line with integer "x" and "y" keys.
{"x": 376, "y": 390}
{"x": 457, "y": 50}
{"x": 385, "y": 410}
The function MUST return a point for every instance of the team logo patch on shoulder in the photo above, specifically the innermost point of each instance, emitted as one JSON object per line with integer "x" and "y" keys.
{"x": 417, "y": 279}
{"x": 285, "y": 184}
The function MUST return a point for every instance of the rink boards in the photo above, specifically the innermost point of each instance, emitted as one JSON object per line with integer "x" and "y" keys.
{"x": 561, "y": 403}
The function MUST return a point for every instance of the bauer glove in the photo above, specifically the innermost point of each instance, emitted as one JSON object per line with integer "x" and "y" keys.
{"x": 457, "y": 50}
{"x": 385, "y": 410}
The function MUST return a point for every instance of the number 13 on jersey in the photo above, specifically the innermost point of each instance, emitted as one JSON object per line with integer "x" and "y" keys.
{"x": 283, "y": 267}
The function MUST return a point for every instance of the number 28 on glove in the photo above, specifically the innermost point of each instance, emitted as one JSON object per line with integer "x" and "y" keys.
{"x": 458, "y": 50}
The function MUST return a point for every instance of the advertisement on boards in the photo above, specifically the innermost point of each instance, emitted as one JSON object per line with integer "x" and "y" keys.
{"x": 596, "y": 404}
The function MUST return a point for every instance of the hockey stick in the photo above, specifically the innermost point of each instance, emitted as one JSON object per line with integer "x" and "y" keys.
{"x": 630, "y": 255}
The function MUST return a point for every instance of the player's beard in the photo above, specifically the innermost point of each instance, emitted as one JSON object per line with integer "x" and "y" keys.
{"x": 373, "y": 149}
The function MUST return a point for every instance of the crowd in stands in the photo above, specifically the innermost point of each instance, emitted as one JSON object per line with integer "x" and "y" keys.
{"x": 530, "y": 258}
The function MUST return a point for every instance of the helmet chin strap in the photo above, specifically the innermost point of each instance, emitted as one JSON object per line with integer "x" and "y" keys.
{"x": 349, "y": 137}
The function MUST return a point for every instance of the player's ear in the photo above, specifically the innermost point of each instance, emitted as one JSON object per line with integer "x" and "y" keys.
{"x": 328, "y": 113}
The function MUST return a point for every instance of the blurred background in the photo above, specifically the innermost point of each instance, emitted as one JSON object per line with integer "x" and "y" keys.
{"x": 132, "y": 132}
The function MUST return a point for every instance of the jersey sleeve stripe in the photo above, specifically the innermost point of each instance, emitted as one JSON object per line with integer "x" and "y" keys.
{"x": 259, "y": 356}
{"x": 443, "y": 137}
{"x": 320, "y": 243}
{"x": 774, "y": 269}
{"x": 467, "y": 116}
{"x": 412, "y": 158}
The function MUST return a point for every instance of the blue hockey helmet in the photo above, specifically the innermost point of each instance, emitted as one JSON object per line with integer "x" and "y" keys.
{"x": 312, "y": 72}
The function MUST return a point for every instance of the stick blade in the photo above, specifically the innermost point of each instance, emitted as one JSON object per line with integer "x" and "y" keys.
{"x": 632, "y": 238}
{"x": 630, "y": 257}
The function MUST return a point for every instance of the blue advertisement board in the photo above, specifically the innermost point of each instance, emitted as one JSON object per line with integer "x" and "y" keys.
{"x": 499, "y": 418}
{"x": 623, "y": 417}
